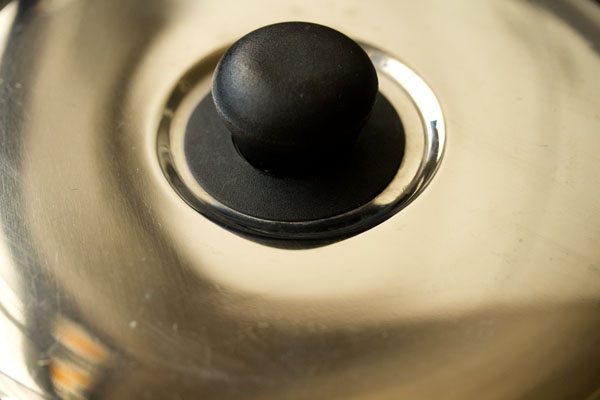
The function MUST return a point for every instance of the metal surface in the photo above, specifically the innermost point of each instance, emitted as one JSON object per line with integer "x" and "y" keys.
{"x": 487, "y": 286}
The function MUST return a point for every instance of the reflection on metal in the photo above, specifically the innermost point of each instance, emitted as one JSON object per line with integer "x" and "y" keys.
{"x": 413, "y": 176}
{"x": 77, "y": 361}
{"x": 486, "y": 287}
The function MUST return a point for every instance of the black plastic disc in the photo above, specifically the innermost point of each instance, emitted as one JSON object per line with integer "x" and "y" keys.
{"x": 218, "y": 167}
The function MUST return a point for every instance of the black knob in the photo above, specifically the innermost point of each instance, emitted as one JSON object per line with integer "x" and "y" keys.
{"x": 294, "y": 96}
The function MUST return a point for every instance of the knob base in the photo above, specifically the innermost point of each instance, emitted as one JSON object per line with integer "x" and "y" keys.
{"x": 217, "y": 166}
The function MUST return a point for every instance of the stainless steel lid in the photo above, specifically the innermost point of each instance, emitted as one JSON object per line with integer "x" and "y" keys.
{"x": 485, "y": 286}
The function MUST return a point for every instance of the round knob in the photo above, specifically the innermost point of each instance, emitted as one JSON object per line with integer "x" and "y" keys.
{"x": 294, "y": 96}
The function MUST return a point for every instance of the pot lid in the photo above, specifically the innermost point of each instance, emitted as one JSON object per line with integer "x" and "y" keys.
{"x": 475, "y": 273}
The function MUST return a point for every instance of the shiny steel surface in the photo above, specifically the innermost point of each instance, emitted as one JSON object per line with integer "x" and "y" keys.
{"x": 487, "y": 286}
{"x": 414, "y": 101}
